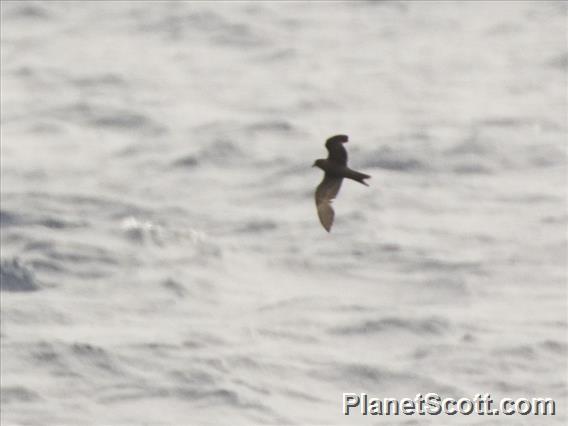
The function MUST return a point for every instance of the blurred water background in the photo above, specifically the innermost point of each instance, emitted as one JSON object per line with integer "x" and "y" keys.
{"x": 162, "y": 261}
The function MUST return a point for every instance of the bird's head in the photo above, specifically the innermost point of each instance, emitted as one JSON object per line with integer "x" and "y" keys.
{"x": 319, "y": 163}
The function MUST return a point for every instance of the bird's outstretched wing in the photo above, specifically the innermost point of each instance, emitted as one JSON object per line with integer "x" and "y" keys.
{"x": 337, "y": 152}
{"x": 326, "y": 191}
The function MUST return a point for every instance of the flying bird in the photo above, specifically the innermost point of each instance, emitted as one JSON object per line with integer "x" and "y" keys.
{"x": 335, "y": 168}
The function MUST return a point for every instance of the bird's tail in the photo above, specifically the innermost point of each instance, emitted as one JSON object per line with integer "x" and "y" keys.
{"x": 358, "y": 176}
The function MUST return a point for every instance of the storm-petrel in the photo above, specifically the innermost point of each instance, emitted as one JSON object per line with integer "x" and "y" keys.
{"x": 335, "y": 168}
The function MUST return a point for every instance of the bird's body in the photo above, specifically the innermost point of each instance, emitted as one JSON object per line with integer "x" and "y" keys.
{"x": 336, "y": 169}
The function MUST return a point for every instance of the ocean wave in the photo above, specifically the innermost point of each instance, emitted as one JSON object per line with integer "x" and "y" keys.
{"x": 555, "y": 219}
{"x": 257, "y": 226}
{"x": 186, "y": 161}
{"x": 46, "y": 354}
{"x": 221, "y": 150}
{"x": 365, "y": 375}
{"x": 175, "y": 287}
{"x": 391, "y": 159}
{"x": 290, "y": 336}
{"x": 73, "y": 254}
{"x": 110, "y": 80}
{"x": 10, "y": 219}
{"x": 534, "y": 351}
{"x": 179, "y": 22}
{"x": 107, "y": 117}
{"x": 482, "y": 149}
{"x": 127, "y": 120}
{"x": 141, "y": 231}
{"x": 146, "y": 232}
{"x": 176, "y": 22}
{"x": 216, "y": 396}
{"x": 525, "y": 352}
{"x": 271, "y": 126}
{"x": 47, "y": 265}
{"x": 76, "y": 360}
{"x": 26, "y": 10}
{"x": 68, "y": 209}
{"x": 11, "y": 394}
{"x": 16, "y": 277}
{"x": 556, "y": 346}
{"x": 479, "y": 148}
{"x": 49, "y": 256}
{"x": 433, "y": 326}
{"x": 96, "y": 357}
{"x": 559, "y": 62}
{"x": 467, "y": 167}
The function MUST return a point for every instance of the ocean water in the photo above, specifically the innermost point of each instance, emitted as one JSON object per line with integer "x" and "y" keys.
{"x": 162, "y": 261}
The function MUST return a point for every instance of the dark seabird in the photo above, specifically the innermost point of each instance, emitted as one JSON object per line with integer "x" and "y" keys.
{"x": 335, "y": 168}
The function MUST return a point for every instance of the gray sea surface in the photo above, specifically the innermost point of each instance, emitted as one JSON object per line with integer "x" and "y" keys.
{"x": 161, "y": 258}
